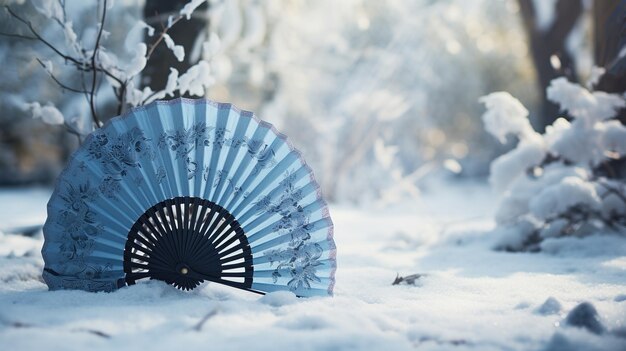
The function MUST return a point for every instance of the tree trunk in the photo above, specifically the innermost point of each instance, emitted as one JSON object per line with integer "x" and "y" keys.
{"x": 544, "y": 43}
{"x": 609, "y": 17}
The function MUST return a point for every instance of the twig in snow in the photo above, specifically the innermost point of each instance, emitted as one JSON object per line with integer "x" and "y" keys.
{"x": 408, "y": 280}
{"x": 198, "y": 327}
{"x": 14, "y": 324}
{"x": 94, "y": 332}
{"x": 29, "y": 230}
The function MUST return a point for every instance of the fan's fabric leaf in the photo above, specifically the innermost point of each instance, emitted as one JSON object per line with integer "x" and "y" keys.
{"x": 194, "y": 149}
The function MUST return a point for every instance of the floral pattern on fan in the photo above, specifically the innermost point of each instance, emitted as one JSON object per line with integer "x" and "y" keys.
{"x": 81, "y": 226}
{"x": 301, "y": 259}
{"x": 183, "y": 142}
{"x": 301, "y": 262}
{"x": 118, "y": 156}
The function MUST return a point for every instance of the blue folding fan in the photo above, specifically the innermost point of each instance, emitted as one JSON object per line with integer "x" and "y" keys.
{"x": 186, "y": 191}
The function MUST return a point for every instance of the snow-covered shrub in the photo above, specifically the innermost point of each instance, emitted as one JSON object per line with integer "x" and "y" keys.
{"x": 554, "y": 184}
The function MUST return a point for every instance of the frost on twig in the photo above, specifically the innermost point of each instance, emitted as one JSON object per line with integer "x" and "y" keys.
{"x": 551, "y": 183}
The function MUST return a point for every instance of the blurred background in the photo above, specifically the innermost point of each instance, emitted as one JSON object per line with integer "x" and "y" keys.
{"x": 381, "y": 96}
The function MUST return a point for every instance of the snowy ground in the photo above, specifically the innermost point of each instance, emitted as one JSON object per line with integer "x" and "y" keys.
{"x": 470, "y": 297}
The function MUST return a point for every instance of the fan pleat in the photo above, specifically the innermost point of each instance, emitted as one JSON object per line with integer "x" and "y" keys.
{"x": 279, "y": 169}
{"x": 223, "y": 110}
{"x": 246, "y": 169}
{"x": 202, "y": 114}
{"x": 231, "y": 177}
{"x": 149, "y": 186}
{"x": 246, "y": 166}
{"x": 272, "y": 195}
{"x": 265, "y": 177}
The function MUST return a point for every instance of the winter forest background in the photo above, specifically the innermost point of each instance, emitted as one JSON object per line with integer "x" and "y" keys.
{"x": 362, "y": 88}
{"x": 450, "y": 137}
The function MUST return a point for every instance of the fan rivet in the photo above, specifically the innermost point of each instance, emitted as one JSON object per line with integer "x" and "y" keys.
{"x": 184, "y": 270}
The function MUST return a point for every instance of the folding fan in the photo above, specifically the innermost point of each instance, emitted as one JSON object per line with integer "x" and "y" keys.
{"x": 186, "y": 191}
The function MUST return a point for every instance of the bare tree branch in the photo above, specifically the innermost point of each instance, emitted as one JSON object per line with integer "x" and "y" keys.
{"x": 41, "y": 39}
{"x": 13, "y": 35}
{"x": 61, "y": 84}
{"x": 80, "y": 65}
{"x": 92, "y": 94}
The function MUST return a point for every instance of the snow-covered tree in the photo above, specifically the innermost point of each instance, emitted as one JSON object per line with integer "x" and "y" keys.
{"x": 558, "y": 183}
{"x": 98, "y": 67}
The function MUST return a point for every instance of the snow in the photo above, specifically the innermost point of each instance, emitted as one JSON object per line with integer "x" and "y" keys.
{"x": 148, "y": 27}
{"x": 190, "y": 7}
{"x": 558, "y": 198}
{"x": 385, "y": 154}
{"x": 212, "y": 46}
{"x": 506, "y": 115}
{"x": 452, "y": 165}
{"x": 197, "y": 78}
{"x": 172, "y": 80}
{"x": 178, "y": 50}
{"x": 594, "y": 76}
{"x": 71, "y": 38}
{"x": 255, "y": 28}
{"x": 582, "y": 103}
{"x": 138, "y": 62}
{"x": 48, "y": 113}
{"x": 50, "y": 9}
{"x": 135, "y": 34}
{"x": 468, "y": 297}
{"x": 507, "y": 168}
{"x": 614, "y": 137}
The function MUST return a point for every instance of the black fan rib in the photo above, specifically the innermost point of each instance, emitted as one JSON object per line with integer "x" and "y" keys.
{"x": 185, "y": 241}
